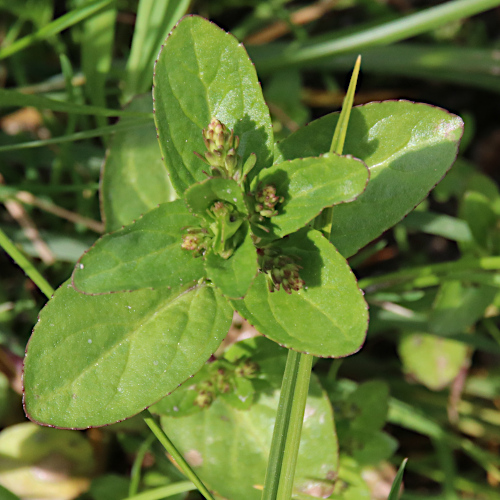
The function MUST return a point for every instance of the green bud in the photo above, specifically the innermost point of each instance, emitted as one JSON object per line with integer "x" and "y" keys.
{"x": 221, "y": 155}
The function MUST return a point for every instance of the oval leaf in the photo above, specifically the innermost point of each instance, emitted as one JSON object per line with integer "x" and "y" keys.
{"x": 145, "y": 254}
{"x": 432, "y": 361}
{"x": 134, "y": 179}
{"x": 203, "y": 72}
{"x": 328, "y": 318}
{"x": 408, "y": 147}
{"x": 309, "y": 185}
{"x": 234, "y": 275}
{"x": 93, "y": 361}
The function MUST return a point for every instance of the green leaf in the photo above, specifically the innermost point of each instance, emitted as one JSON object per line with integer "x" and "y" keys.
{"x": 309, "y": 185}
{"x": 152, "y": 25}
{"x": 375, "y": 449}
{"x": 477, "y": 210}
{"x": 5, "y": 494}
{"x": 438, "y": 224}
{"x": 234, "y": 275}
{"x": 408, "y": 148}
{"x": 431, "y": 360}
{"x": 203, "y": 72}
{"x": 201, "y": 196}
{"x": 144, "y": 254}
{"x": 327, "y": 318}
{"x": 134, "y": 179}
{"x": 40, "y": 462}
{"x": 459, "y": 306}
{"x": 369, "y": 403}
{"x": 219, "y": 439}
{"x": 92, "y": 360}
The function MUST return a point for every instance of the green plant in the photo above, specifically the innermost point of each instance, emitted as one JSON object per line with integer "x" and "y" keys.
{"x": 260, "y": 228}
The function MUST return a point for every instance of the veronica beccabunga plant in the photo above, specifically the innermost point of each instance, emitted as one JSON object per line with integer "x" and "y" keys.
{"x": 149, "y": 303}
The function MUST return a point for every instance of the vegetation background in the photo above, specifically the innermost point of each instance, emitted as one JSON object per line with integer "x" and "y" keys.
{"x": 429, "y": 373}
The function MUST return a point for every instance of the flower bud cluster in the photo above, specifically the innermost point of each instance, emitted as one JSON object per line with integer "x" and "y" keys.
{"x": 221, "y": 155}
{"x": 196, "y": 240}
{"x": 266, "y": 201}
{"x": 221, "y": 381}
{"x": 282, "y": 270}
{"x": 221, "y": 144}
{"x": 218, "y": 231}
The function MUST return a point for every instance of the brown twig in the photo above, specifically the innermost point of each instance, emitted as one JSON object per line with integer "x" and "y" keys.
{"x": 51, "y": 208}
{"x": 300, "y": 17}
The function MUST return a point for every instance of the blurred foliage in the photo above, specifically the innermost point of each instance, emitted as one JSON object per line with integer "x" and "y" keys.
{"x": 427, "y": 383}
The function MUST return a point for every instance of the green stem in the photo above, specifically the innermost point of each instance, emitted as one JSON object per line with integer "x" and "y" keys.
{"x": 164, "y": 491}
{"x": 172, "y": 450}
{"x": 465, "y": 264}
{"x": 295, "y": 427}
{"x": 135, "y": 473}
{"x": 280, "y": 433}
{"x": 25, "y": 265}
{"x": 384, "y": 34}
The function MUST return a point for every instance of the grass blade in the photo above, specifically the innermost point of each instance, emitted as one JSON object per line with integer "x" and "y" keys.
{"x": 384, "y": 34}
{"x": 396, "y": 485}
{"x": 341, "y": 128}
{"x": 61, "y": 23}
{"x": 154, "y": 22}
{"x": 324, "y": 220}
{"x": 295, "y": 427}
{"x": 10, "y": 98}
{"x": 25, "y": 265}
{"x": 79, "y": 136}
{"x": 281, "y": 426}
{"x": 96, "y": 48}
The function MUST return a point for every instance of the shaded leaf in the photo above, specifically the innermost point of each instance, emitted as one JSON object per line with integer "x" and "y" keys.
{"x": 218, "y": 440}
{"x": 234, "y": 276}
{"x": 38, "y": 462}
{"x": 407, "y": 146}
{"x": 477, "y": 210}
{"x": 201, "y": 196}
{"x": 326, "y": 318}
{"x": 95, "y": 360}
{"x": 458, "y": 306}
{"x": 144, "y": 254}
{"x": 203, "y": 72}
{"x": 433, "y": 361}
{"x": 309, "y": 185}
{"x": 134, "y": 179}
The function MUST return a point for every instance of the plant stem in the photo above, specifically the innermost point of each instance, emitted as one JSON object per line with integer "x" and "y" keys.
{"x": 295, "y": 427}
{"x": 25, "y": 265}
{"x": 172, "y": 450}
